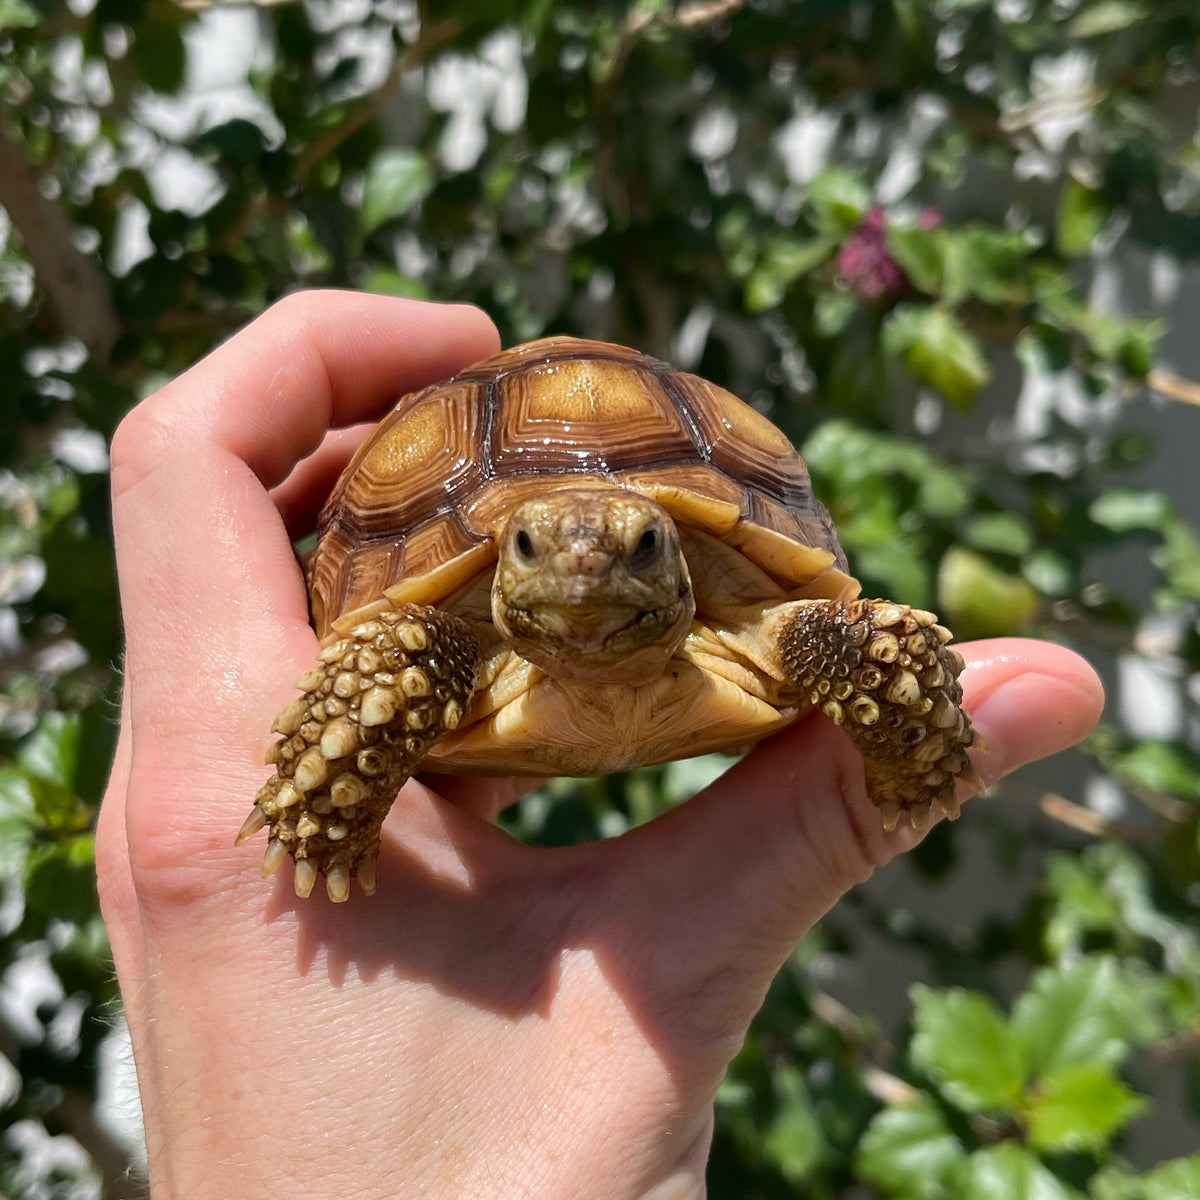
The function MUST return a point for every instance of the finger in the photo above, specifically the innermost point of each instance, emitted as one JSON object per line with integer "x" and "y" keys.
{"x": 315, "y": 361}
{"x": 742, "y": 871}
{"x": 302, "y": 495}
{"x": 484, "y": 796}
{"x": 200, "y": 546}
{"x": 214, "y": 605}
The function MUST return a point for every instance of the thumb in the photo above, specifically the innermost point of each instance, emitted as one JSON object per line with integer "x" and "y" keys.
{"x": 733, "y": 879}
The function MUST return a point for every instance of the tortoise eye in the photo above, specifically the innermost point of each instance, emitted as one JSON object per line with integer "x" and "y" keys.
{"x": 524, "y": 545}
{"x": 646, "y": 550}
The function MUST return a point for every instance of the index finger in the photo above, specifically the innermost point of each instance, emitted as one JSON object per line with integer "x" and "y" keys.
{"x": 215, "y": 610}
{"x": 312, "y": 362}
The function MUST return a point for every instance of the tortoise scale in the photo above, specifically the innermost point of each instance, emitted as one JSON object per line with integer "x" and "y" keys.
{"x": 571, "y": 559}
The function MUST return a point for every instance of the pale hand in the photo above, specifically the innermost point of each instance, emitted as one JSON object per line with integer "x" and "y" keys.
{"x": 497, "y": 1020}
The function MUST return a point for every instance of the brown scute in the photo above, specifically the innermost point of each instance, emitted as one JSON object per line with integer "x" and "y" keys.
{"x": 344, "y": 567}
{"x": 423, "y": 459}
{"x": 551, "y": 349}
{"x": 487, "y": 511}
{"x": 444, "y": 468}
{"x": 585, "y": 414}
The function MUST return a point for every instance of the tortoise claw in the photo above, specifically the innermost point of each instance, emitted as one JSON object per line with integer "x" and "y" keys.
{"x": 369, "y": 715}
{"x": 252, "y": 824}
{"x": 884, "y": 673}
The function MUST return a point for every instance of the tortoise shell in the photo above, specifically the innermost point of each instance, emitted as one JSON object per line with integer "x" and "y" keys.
{"x": 419, "y": 507}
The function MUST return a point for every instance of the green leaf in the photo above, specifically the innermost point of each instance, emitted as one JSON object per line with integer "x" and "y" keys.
{"x": 964, "y": 1043}
{"x": 986, "y": 263}
{"x": 938, "y": 351}
{"x": 16, "y": 14}
{"x": 1140, "y": 347}
{"x": 1082, "y": 214}
{"x": 51, "y": 752}
{"x": 1115, "y": 1182}
{"x": 921, "y": 254}
{"x": 60, "y": 880}
{"x": 999, "y": 533}
{"x": 1050, "y": 571}
{"x": 18, "y": 817}
{"x": 1079, "y": 1108}
{"x": 981, "y": 600}
{"x": 793, "y": 1140}
{"x": 838, "y": 198}
{"x": 832, "y": 312}
{"x": 1179, "y": 559}
{"x": 1174, "y": 1180}
{"x": 1158, "y": 766}
{"x": 398, "y": 179}
{"x": 900, "y": 567}
{"x": 1108, "y": 16}
{"x": 386, "y": 281}
{"x": 1124, "y": 509}
{"x": 1007, "y": 1172}
{"x": 909, "y": 1150}
{"x": 782, "y": 263}
{"x": 1084, "y": 1014}
{"x": 1081, "y": 904}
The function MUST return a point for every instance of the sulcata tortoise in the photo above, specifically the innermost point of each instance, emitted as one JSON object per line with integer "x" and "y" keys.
{"x": 570, "y": 559}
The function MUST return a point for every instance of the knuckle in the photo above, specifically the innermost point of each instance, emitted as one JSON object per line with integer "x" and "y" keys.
{"x": 293, "y": 318}
{"x": 142, "y": 442}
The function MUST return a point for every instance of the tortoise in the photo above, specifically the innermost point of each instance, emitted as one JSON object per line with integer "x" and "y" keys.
{"x": 571, "y": 559}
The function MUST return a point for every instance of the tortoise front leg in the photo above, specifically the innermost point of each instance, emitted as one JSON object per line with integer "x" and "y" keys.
{"x": 884, "y": 673}
{"x": 370, "y": 712}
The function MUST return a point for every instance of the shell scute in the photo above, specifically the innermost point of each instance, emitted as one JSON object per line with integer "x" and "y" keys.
{"x": 585, "y": 414}
{"x": 741, "y": 442}
{"x": 423, "y": 459}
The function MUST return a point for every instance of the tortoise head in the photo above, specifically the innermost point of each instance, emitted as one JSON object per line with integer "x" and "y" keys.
{"x": 591, "y": 584}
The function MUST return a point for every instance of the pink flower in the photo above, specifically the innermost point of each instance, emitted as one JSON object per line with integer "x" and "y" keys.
{"x": 866, "y": 264}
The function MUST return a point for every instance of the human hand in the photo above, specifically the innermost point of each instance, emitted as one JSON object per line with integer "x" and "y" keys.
{"x": 498, "y": 1020}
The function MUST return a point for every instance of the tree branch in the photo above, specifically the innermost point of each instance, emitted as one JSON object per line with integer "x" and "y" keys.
{"x": 72, "y": 281}
{"x": 1059, "y": 808}
{"x": 1174, "y": 387}
{"x": 370, "y": 106}
{"x": 413, "y": 55}
{"x": 688, "y": 16}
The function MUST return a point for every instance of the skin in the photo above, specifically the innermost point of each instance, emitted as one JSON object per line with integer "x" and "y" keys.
{"x": 497, "y": 1020}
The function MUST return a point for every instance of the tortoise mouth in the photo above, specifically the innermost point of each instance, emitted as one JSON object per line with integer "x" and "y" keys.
{"x": 586, "y": 643}
{"x": 587, "y": 627}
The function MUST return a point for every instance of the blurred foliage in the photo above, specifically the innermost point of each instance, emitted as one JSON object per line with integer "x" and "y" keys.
{"x": 877, "y": 222}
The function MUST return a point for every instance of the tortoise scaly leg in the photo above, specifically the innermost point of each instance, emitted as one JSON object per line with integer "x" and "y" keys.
{"x": 369, "y": 713}
{"x": 884, "y": 673}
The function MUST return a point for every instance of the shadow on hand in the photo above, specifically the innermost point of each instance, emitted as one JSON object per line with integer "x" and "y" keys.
{"x": 490, "y": 921}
